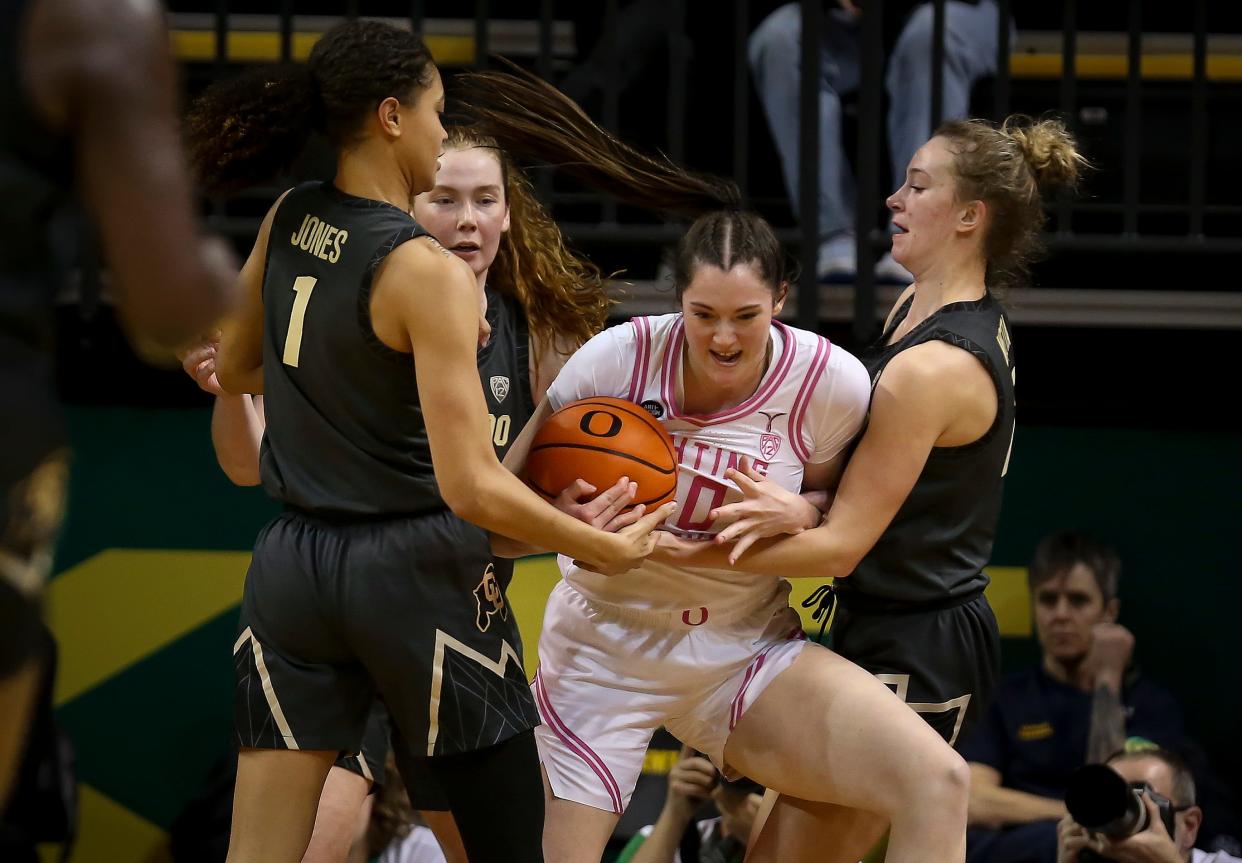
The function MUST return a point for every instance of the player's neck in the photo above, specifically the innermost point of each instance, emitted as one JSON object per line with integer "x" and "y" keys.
{"x": 364, "y": 176}
{"x": 945, "y": 282}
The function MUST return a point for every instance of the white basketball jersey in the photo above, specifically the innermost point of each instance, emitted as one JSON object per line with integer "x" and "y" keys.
{"x": 809, "y": 405}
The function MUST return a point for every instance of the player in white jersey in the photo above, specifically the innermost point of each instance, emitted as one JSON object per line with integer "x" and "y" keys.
{"x": 717, "y": 656}
{"x": 809, "y": 405}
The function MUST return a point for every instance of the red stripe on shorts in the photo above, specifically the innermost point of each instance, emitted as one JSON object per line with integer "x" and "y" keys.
{"x": 576, "y": 745}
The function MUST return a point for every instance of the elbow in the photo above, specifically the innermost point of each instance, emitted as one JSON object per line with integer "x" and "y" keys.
{"x": 461, "y": 495}
{"x": 246, "y": 476}
{"x": 841, "y": 562}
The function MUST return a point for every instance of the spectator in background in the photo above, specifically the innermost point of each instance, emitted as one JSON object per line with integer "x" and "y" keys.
{"x": 970, "y": 39}
{"x": 1077, "y": 706}
{"x": 1167, "y": 776}
{"x": 677, "y": 838}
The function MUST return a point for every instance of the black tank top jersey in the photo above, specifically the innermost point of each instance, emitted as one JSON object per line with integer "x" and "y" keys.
{"x": 504, "y": 368}
{"x": 345, "y": 434}
{"x": 36, "y": 171}
{"x": 938, "y": 543}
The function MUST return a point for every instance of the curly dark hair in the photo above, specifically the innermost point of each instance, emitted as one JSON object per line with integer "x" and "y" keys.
{"x": 251, "y": 128}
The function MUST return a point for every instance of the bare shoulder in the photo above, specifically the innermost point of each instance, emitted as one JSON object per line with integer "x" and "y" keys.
{"x": 935, "y": 370}
{"x": 424, "y": 260}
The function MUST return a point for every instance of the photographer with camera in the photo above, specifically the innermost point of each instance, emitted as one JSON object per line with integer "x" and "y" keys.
{"x": 677, "y": 838}
{"x": 1081, "y": 703}
{"x": 1163, "y": 830}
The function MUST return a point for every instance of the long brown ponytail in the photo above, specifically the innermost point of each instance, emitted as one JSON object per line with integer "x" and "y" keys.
{"x": 532, "y": 119}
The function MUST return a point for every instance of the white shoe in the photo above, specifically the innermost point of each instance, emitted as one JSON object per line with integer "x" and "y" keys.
{"x": 837, "y": 261}
{"x": 889, "y": 272}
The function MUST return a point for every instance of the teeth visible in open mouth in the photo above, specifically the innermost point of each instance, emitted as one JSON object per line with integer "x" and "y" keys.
{"x": 727, "y": 358}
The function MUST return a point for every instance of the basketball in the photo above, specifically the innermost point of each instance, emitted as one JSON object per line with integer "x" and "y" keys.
{"x": 600, "y": 440}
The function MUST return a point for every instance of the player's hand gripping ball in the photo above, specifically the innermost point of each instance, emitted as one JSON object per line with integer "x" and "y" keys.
{"x": 600, "y": 440}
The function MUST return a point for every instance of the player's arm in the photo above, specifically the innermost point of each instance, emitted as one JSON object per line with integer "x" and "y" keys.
{"x": 415, "y": 278}
{"x": 919, "y": 396}
{"x": 239, "y": 363}
{"x": 237, "y": 425}
{"x": 103, "y": 72}
{"x": 992, "y": 805}
{"x": 546, "y": 361}
{"x": 515, "y": 463}
{"x": 237, "y": 421}
{"x": 769, "y": 510}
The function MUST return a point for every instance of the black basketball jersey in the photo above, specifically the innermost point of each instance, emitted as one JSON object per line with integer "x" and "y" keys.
{"x": 345, "y": 433}
{"x": 504, "y": 368}
{"x": 36, "y": 170}
{"x": 938, "y": 543}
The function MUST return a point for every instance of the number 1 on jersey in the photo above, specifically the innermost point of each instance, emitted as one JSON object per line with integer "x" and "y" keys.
{"x": 302, "y": 286}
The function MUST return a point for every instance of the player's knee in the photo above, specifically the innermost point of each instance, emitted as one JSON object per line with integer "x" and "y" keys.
{"x": 943, "y": 781}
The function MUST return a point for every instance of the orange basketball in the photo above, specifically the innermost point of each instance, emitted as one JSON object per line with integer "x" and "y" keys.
{"x": 600, "y": 440}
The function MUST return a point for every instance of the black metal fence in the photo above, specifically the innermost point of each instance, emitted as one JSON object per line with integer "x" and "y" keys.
{"x": 542, "y": 46}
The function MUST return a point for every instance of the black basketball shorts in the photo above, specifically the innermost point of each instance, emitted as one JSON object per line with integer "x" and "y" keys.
{"x": 371, "y": 760}
{"x": 943, "y": 662}
{"x": 407, "y": 609}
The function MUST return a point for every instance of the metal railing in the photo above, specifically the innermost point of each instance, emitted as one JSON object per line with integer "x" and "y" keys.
{"x": 543, "y": 45}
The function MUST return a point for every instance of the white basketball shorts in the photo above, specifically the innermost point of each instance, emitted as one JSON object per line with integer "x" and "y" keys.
{"x": 610, "y": 675}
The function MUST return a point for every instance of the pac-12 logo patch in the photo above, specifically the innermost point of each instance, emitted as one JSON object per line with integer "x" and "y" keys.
{"x": 500, "y": 387}
{"x": 769, "y": 441}
{"x": 490, "y": 599}
{"x": 653, "y": 407}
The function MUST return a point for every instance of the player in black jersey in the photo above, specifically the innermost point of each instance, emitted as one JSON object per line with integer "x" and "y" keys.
{"x": 86, "y": 118}
{"x": 912, "y": 522}
{"x": 483, "y": 209}
{"x": 367, "y": 582}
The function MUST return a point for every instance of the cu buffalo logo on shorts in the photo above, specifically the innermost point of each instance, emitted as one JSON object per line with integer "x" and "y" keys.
{"x": 769, "y": 442}
{"x": 490, "y": 599}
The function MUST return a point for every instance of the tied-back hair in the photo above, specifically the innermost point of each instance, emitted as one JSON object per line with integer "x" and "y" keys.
{"x": 529, "y": 117}
{"x": 726, "y": 239}
{"x": 1011, "y": 168}
{"x": 562, "y": 294}
{"x": 249, "y": 129}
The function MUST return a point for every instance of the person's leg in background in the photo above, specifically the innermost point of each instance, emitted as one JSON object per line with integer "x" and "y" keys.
{"x": 970, "y": 40}
{"x": 775, "y": 53}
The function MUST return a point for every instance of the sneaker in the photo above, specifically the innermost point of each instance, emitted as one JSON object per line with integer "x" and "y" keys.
{"x": 889, "y": 272}
{"x": 838, "y": 263}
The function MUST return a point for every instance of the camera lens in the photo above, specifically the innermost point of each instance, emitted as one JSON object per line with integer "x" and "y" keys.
{"x": 1100, "y": 800}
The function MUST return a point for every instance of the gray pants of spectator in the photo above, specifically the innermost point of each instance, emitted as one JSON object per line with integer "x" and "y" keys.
{"x": 775, "y": 60}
